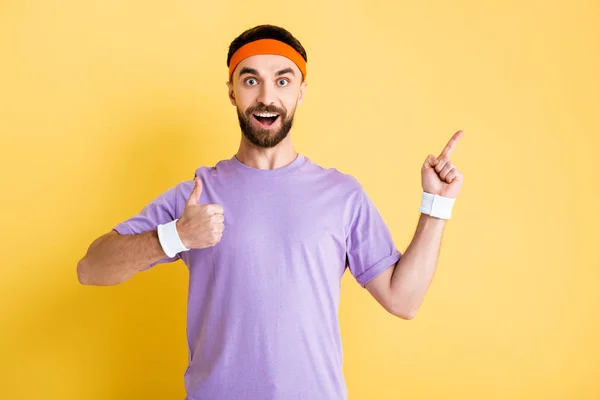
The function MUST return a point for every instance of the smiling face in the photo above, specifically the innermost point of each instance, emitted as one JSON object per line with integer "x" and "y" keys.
{"x": 266, "y": 89}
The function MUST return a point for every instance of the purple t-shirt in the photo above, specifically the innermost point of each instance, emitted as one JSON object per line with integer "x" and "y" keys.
{"x": 262, "y": 315}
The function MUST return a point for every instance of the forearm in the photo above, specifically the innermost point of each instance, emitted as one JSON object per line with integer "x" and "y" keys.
{"x": 113, "y": 258}
{"x": 412, "y": 275}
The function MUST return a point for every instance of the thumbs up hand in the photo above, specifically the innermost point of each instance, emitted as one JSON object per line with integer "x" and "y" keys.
{"x": 200, "y": 225}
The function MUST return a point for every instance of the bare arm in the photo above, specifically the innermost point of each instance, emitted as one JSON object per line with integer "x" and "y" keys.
{"x": 114, "y": 258}
{"x": 401, "y": 289}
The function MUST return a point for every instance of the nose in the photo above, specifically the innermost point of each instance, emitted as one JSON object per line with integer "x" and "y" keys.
{"x": 266, "y": 95}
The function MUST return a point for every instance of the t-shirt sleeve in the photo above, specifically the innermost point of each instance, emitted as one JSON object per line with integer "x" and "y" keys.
{"x": 370, "y": 248}
{"x": 161, "y": 210}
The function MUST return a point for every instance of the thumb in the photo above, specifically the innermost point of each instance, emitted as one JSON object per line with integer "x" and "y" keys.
{"x": 195, "y": 196}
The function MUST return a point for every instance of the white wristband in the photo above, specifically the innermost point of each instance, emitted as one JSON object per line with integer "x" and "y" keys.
{"x": 436, "y": 205}
{"x": 169, "y": 239}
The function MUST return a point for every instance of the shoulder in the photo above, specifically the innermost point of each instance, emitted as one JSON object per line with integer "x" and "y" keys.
{"x": 343, "y": 182}
{"x": 184, "y": 188}
{"x": 207, "y": 172}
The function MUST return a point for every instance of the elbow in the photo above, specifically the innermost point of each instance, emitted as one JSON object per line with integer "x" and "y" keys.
{"x": 90, "y": 269}
{"x": 406, "y": 316}
{"x": 403, "y": 312}
{"x": 82, "y": 275}
{"x": 86, "y": 276}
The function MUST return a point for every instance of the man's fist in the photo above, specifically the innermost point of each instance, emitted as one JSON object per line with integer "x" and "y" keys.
{"x": 200, "y": 225}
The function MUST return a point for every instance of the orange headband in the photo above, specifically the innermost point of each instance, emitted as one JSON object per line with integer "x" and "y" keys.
{"x": 267, "y": 46}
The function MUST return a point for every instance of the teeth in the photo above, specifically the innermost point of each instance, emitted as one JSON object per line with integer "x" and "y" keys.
{"x": 266, "y": 115}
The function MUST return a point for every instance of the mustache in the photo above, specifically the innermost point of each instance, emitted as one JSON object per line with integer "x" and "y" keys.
{"x": 264, "y": 108}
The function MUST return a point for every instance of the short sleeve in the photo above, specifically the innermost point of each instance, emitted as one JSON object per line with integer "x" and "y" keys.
{"x": 159, "y": 211}
{"x": 370, "y": 248}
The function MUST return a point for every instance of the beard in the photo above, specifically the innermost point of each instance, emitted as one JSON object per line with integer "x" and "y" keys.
{"x": 265, "y": 138}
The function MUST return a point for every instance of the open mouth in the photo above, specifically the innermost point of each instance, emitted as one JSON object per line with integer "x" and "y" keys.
{"x": 266, "y": 119}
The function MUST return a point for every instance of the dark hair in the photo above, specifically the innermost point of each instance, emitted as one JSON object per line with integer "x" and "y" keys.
{"x": 265, "y": 32}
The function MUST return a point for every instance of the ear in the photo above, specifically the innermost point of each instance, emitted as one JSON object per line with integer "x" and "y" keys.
{"x": 302, "y": 90}
{"x": 231, "y": 92}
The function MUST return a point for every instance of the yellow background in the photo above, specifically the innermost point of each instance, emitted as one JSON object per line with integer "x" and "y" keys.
{"x": 106, "y": 104}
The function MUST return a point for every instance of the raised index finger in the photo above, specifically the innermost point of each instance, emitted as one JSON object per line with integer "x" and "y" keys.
{"x": 451, "y": 144}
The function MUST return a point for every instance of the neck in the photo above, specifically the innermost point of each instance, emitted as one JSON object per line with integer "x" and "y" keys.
{"x": 266, "y": 158}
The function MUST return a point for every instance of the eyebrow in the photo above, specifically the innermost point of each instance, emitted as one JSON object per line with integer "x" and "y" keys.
{"x": 285, "y": 71}
{"x": 247, "y": 70}
{"x": 252, "y": 71}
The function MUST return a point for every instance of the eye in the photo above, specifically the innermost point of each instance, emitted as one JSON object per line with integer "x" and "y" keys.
{"x": 251, "y": 82}
{"x": 283, "y": 82}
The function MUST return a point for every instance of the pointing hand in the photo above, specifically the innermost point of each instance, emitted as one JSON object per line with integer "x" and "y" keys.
{"x": 439, "y": 175}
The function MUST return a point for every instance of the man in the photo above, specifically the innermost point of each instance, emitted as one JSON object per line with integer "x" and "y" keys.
{"x": 267, "y": 236}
